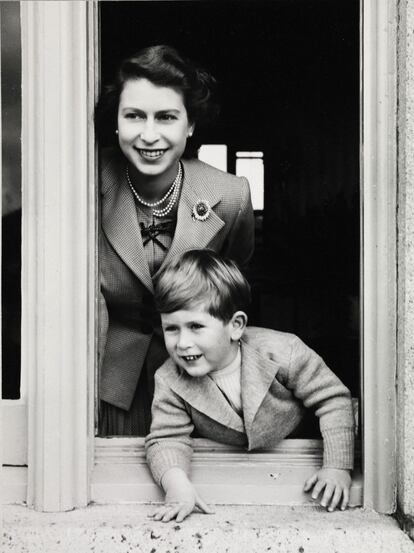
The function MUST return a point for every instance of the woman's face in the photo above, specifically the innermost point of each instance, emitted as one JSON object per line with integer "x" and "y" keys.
{"x": 153, "y": 127}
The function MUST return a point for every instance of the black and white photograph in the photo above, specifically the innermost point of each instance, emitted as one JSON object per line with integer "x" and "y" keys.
{"x": 207, "y": 274}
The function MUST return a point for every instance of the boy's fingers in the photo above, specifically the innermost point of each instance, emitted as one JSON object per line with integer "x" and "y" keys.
{"x": 183, "y": 513}
{"x": 329, "y": 490}
{"x": 345, "y": 499}
{"x": 318, "y": 487}
{"x": 202, "y": 505}
{"x": 310, "y": 482}
{"x": 160, "y": 513}
{"x": 171, "y": 513}
{"x": 335, "y": 499}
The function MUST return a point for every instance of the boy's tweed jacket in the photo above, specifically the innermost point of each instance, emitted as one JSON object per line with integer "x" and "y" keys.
{"x": 129, "y": 322}
{"x": 280, "y": 376}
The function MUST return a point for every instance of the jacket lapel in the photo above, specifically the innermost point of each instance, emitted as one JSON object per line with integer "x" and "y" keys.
{"x": 258, "y": 373}
{"x": 205, "y": 396}
{"x": 120, "y": 225}
{"x": 191, "y": 233}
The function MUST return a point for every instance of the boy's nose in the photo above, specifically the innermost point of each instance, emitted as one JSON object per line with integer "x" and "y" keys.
{"x": 183, "y": 341}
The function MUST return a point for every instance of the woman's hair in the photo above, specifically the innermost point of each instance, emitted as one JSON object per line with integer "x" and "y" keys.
{"x": 202, "y": 277}
{"x": 163, "y": 66}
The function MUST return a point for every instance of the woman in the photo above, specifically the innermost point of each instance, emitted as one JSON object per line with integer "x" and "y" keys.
{"x": 155, "y": 203}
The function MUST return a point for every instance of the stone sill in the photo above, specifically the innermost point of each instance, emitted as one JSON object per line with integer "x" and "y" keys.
{"x": 232, "y": 529}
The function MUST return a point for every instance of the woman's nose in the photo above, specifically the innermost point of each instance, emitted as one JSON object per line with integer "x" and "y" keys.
{"x": 149, "y": 132}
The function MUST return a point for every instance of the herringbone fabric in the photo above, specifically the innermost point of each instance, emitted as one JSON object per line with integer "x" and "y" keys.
{"x": 128, "y": 316}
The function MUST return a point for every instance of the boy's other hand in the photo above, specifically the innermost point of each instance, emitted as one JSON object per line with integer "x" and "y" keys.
{"x": 181, "y": 498}
{"x": 333, "y": 484}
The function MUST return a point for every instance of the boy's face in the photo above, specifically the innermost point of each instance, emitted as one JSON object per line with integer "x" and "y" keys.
{"x": 198, "y": 342}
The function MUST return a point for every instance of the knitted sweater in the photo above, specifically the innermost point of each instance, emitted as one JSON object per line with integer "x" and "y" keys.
{"x": 280, "y": 377}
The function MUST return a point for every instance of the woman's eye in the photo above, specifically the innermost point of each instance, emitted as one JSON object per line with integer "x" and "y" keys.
{"x": 167, "y": 117}
{"x": 133, "y": 115}
{"x": 196, "y": 326}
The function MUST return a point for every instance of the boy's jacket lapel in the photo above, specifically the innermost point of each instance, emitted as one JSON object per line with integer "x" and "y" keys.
{"x": 203, "y": 395}
{"x": 258, "y": 373}
{"x": 120, "y": 223}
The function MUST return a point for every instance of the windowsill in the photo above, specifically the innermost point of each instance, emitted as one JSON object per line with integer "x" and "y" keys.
{"x": 223, "y": 475}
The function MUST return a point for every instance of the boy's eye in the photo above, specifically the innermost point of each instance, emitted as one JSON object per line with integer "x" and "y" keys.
{"x": 169, "y": 328}
{"x": 196, "y": 326}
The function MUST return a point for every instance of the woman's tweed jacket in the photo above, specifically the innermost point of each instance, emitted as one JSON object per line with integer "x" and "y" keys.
{"x": 128, "y": 319}
{"x": 280, "y": 376}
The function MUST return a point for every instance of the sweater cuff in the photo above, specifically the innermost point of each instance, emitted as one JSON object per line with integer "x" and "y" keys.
{"x": 338, "y": 448}
{"x": 161, "y": 459}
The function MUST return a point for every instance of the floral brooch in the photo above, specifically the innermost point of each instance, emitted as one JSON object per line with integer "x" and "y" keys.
{"x": 201, "y": 210}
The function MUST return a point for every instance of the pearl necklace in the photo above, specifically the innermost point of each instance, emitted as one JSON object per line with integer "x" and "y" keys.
{"x": 171, "y": 193}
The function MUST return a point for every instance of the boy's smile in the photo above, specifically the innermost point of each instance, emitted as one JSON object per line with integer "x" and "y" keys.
{"x": 200, "y": 343}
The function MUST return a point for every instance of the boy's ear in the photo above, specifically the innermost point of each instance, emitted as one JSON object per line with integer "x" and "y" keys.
{"x": 238, "y": 323}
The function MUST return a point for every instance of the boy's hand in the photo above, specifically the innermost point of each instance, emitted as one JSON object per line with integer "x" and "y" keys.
{"x": 335, "y": 484}
{"x": 181, "y": 498}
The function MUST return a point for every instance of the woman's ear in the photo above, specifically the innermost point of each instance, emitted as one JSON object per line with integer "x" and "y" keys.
{"x": 191, "y": 130}
{"x": 238, "y": 323}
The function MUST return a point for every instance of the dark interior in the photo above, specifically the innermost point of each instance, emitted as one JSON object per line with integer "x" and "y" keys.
{"x": 289, "y": 85}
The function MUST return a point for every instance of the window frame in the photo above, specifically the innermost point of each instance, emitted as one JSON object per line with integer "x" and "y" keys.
{"x": 65, "y": 36}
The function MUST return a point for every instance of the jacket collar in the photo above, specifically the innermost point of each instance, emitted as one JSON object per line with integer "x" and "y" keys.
{"x": 257, "y": 375}
{"x": 120, "y": 223}
{"x": 203, "y": 394}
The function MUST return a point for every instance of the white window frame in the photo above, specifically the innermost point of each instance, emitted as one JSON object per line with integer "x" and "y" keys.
{"x": 67, "y": 466}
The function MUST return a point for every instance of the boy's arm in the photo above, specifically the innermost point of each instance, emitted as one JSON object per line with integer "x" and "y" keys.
{"x": 169, "y": 451}
{"x": 168, "y": 444}
{"x": 181, "y": 497}
{"x": 319, "y": 388}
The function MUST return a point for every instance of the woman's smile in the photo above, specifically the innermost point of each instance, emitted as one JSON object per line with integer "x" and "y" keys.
{"x": 151, "y": 155}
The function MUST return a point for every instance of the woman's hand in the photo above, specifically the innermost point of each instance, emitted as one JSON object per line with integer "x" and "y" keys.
{"x": 181, "y": 498}
{"x": 335, "y": 485}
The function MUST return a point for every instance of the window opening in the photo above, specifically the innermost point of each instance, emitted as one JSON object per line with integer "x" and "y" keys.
{"x": 305, "y": 122}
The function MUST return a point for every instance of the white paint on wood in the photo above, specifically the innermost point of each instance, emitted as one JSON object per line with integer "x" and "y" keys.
{"x": 222, "y": 474}
{"x": 56, "y": 272}
{"x": 379, "y": 184}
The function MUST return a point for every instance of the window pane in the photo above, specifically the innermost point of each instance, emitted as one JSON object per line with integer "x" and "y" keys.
{"x": 11, "y": 197}
{"x": 252, "y": 168}
{"x": 215, "y": 155}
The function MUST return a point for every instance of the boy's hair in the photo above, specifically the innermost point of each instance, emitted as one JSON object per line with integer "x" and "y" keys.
{"x": 202, "y": 276}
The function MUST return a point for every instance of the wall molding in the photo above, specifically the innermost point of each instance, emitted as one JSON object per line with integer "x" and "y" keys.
{"x": 379, "y": 226}
{"x": 57, "y": 281}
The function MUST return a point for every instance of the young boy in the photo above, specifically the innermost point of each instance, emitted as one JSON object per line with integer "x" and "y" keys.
{"x": 236, "y": 385}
